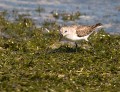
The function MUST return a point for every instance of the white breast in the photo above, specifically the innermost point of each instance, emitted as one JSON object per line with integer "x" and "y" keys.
{"x": 74, "y": 37}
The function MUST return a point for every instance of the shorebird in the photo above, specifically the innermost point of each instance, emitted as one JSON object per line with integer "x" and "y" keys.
{"x": 78, "y": 32}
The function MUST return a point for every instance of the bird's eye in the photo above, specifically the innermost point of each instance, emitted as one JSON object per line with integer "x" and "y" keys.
{"x": 65, "y": 31}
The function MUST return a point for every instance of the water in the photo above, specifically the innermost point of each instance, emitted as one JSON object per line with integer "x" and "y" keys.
{"x": 106, "y": 12}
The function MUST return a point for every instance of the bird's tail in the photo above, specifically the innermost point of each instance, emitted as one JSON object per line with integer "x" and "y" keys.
{"x": 96, "y": 25}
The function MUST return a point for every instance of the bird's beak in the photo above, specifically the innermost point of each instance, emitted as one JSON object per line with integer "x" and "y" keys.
{"x": 61, "y": 36}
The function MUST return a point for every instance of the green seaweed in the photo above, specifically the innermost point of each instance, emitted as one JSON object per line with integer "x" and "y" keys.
{"x": 25, "y": 64}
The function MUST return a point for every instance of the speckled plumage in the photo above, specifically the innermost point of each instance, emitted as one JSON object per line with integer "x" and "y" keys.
{"x": 78, "y": 32}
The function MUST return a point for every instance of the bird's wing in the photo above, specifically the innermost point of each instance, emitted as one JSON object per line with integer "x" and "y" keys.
{"x": 83, "y": 30}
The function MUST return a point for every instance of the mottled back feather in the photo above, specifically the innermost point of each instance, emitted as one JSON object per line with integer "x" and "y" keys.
{"x": 83, "y": 30}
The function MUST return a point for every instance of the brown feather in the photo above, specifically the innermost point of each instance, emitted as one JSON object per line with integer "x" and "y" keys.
{"x": 83, "y": 30}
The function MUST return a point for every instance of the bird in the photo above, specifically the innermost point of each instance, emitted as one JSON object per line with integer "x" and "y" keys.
{"x": 75, "y": 33}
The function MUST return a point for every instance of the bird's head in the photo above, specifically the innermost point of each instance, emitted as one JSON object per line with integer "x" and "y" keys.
{"x": 64, "y": 31}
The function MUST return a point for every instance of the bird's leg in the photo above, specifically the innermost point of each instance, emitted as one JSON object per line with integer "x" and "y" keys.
{"x": 76, "y": 46}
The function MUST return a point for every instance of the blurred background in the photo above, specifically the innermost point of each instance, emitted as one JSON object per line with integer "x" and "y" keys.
{"x": 66, "y": 12}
